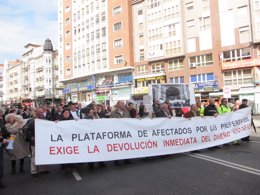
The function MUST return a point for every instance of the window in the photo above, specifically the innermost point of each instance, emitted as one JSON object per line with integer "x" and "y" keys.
{"x": 103, "y": 16}
{"x": 68, "y": 71}
{"x": 67, "y": 34}
{"x": 238, "y": 77}
{"x": 142, "y": 69}
{"x": 244, "y": 34}
{"x": 203, "y": 60}
{"x": 257, "y": 4}
{"x": 141, "y": 57}
{"x": 242, "y": 11}
{"x": 67, "y": 59}
{"x": 97, "y": 34}
{"x": 176, "y": 64}
{"x": 104, "y": 48}
{"x": 118, "y": 43}
{"x": 67, "y": 46}
{"x": 205, "y": 5}
{"x": 190, "y": 24}
{"x": 189, "y": 6}
{"x": 103, "y": 31}
{"x": 98, "y": 48}
{"x": 141, "y": 26}
{"x": 157, "y": 68}
{"x": 125, "y": 78}
{"x": 117, "y": 10}
{"x": 172, "y": 30}
{"x": 67, "y": 9}
{"x": 97, "y": 19}
{"x": 177, "y": 80}
{"x": 202, "y": 78}
{"x": 118, "y": 59}
{"x": 141, "y": 39}
{"x": 205, "y": 23}
{"x": 67, "y": 21}
{"x": 235, "y": 55}
{"x": 117, "y": 26}
{"x": 140, "y": 12}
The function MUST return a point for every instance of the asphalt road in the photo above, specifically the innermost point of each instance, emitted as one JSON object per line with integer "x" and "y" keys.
{"x": 233, "y": 169}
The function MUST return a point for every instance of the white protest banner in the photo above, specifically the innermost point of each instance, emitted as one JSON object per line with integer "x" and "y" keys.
{"x": 111, "y": 139}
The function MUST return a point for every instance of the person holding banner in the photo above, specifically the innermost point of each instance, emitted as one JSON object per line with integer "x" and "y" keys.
{"x": 90, "y": 114}
{"x": 20, "y": 148}
{"x": 156, "y": 106}
{"x": 201, "y": 108}
{"x": 193, "y": 112}
{"x": 120, "y": 112}
{"x": 142, "y": 112}
{"x": 211, "y": 109}
{"x": 164, "y": 111}
{"x": 132, "y": 110}
{"x": 30, "y": 137}
{"x": 245, "y": 105}
{"x": 66, "y": 116}
{"x": 224, "y": 107}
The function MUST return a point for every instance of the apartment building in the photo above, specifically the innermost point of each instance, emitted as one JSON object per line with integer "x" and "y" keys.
{"x": 211, "y": 44}
{"x": 178, "y": 45}
{"x": 158, "y": 43}
{"x": 239, "y": 24}
{"x": 39, "y": 74}
{"x": 13, "y": 87}
{"x": 96, "y": 47}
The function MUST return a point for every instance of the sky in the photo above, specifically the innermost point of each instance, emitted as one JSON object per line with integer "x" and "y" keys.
{"x": 23, "y": 22}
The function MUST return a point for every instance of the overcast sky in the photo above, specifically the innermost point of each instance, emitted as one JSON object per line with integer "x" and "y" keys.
{"x": 26, "y": 21}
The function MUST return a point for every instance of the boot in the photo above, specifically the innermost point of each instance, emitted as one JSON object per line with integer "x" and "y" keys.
{"x": 22, "y": 165}
{"x": 13, "y": 167}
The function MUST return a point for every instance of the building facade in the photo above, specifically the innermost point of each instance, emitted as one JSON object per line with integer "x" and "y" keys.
{"x": 96, "y": 49}
{"x": 115, "y": 49}
{"x": 210, "y": 44}
{"x": 39, "y": 74}
{"x": 13, "y": 87}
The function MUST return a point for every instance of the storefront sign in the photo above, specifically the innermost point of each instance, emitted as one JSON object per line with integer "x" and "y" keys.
{"x": 240, "y": 64}
{"x": 66, "y": 91}
{"x": 101, "y": 97}
{"x": 151, "y": 79}
{"x": 141, "y": 90}
{"x": 206, "y": 86}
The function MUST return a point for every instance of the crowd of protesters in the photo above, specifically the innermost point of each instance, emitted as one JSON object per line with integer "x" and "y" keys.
{"x": 13, "y": 123}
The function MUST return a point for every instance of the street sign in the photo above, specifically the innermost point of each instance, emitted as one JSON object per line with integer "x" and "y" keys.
{"x": 226, "y": 92}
